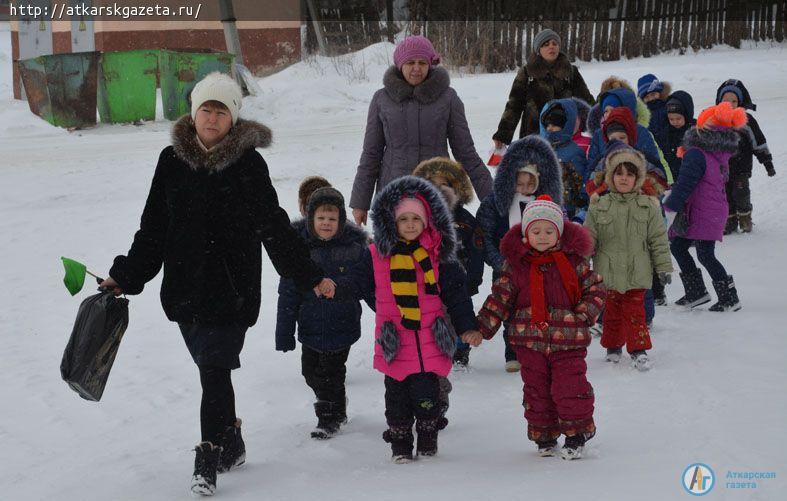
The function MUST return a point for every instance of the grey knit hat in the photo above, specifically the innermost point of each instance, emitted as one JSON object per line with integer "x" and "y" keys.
{"x": 543, "y": 37}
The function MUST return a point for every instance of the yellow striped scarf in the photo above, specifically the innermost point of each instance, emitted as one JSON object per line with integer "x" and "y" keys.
{"x": 404, "y": 283}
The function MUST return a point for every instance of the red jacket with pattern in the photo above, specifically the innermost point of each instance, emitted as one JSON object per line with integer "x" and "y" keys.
{"x": 569, "y": 324}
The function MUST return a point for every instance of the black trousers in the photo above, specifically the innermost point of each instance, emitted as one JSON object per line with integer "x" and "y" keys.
{"x": 706, "y": 254}
{"x": 739, "y": 194}
{"x": 217, "y": 410}
{"x": 325, "y": 373}
{"x": 417, "y": 397}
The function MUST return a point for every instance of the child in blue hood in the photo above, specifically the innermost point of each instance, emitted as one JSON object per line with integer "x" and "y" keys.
{"x": 559, "y": 122}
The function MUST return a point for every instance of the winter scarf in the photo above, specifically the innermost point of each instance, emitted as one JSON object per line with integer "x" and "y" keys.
{"x": 404, "y": 283}
{"x": 568, "y": 275}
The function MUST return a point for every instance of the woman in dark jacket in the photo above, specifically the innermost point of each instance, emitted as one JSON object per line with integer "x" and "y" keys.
{"x": 211, "y": 204}
{"x": 414, "y": 117}
{"x": 548, "y": 75}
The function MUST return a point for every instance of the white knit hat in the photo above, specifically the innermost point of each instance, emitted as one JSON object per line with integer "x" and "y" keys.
{"x": 219, "y": 87}
{"x": 531, "y": 169}
{"x": 542, "y": 209}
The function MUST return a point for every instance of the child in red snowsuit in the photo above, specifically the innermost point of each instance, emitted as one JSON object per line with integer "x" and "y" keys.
{"x": 550, "y": 297}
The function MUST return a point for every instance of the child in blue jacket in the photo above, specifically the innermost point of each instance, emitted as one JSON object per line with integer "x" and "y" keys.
{"x": 327, "y": 327}
{"x": 559, "y": 123}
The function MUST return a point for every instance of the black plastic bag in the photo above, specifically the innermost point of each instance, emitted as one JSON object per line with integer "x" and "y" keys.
{"x": 101, "y": 321}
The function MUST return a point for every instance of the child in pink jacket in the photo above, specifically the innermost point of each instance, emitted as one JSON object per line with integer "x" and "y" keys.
{"x": 417, "y": 279}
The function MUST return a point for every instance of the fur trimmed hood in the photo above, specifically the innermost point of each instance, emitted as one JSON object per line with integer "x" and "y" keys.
{"x": 666, "y": 91}
{"x": 538, "y": 68}
{"x": 437, "y": 81}
{"x": 575, "y": 239}
{"x": 350, "y": 233}
{"x": 244, "y": 135}
{"x": 530, "y": 149}
{"x": 384, "y": 221}
{"x": 722, "y": 139}
{"x": 620, "y": 153}
{"x": 453, "y": 172}
{"x": 613, "y": 82}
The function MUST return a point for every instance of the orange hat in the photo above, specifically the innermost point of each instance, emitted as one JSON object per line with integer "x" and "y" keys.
{"x": 722, "y": 115}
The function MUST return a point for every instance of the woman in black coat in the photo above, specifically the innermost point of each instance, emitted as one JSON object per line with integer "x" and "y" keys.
{"x": 211, "y": 204}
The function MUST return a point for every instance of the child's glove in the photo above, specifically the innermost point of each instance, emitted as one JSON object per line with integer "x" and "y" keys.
{"x": 665, "y": 278}
{"x": 770, "y": 169}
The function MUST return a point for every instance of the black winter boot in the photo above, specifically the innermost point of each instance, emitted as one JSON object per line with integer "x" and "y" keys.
{"x": 573, "y": 447}
{"x": 732, "y": 224}
{"x": 330, "y": 417}
{"x": 444, "y": 401}
{"x": 728, "y": 296}
{"x": 461, "y": 359}
{"x": 205, "y": 467}
{"x": 427, "y": 436}
{"x": 745, "y": 221}
{"x": 696, "y": 293}
{"x": 401, "y": 439}
{"x": 546, "y": 449}
{"x": 233, "y": 449}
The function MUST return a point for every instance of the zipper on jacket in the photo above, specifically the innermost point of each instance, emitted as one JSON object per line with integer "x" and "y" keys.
{"x": 418, "y": 347}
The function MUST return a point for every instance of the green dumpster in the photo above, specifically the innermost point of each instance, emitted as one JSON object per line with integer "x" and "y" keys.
{"x": 61, "y": 88}
{"x": 180, "y": 70}
{"x": 127, "y": 86}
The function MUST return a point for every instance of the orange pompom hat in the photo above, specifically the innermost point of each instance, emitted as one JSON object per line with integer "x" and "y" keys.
{"x": 722, "y": 115}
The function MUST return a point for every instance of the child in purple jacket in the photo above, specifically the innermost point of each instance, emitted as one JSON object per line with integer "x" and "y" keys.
{"x": 697, "y": 206}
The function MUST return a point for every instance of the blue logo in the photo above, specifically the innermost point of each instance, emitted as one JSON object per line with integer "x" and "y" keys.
{"x": 698, "y": 479}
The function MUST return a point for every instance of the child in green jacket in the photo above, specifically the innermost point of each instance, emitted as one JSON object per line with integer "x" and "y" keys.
{"x": 631, "y": 241}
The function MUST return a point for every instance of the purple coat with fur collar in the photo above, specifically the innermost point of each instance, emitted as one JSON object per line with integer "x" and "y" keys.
{"x": 409, "y": 124}
{"x": 700, "y": 189}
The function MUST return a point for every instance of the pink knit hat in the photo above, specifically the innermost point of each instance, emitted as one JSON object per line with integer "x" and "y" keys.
{"x": 415, "y": 47}
{"x": 414, "y": 205}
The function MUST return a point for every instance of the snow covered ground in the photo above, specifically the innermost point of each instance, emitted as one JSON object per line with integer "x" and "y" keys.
{"x": 716, "y": 394}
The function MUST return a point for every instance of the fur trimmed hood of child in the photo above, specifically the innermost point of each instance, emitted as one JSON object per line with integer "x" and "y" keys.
{"x": 453, "y": 172}
{"x": 625, "y": 154}
{"x": 439, "y": 215}
{"x": 528, "y": 150}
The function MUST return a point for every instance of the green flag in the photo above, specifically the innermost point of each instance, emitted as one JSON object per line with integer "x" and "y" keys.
{"x": 75, "y": 275}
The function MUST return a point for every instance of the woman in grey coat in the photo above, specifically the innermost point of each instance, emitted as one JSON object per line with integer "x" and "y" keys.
{"x": 413, "y": 118}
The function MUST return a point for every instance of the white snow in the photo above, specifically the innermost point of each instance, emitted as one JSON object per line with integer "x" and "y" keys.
{"x": 715, "y": 394}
